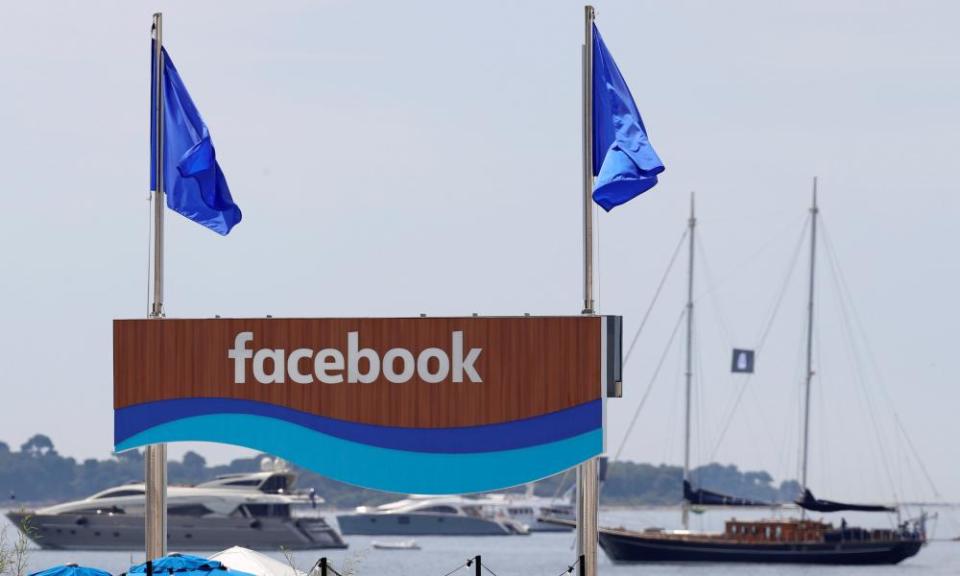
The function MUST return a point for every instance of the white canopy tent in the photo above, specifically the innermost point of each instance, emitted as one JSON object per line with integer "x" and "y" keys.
{"x": 246, "y": 560}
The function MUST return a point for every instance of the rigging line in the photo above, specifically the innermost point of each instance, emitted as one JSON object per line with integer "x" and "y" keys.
{"x": 923, "y": 467}
{"x": 698, "y": 393}
{"x": 556, "y": 493}
{"x": 656, "y": 295}
{"x": 721, "y": 319}
{"x": 669, "y": 447}
{"x": 817, "y": 418}
{"x": 801, "y": 375}
{"x": 740, "y": 219}
{"x": 570, "y": 568}
{"x": 742, "y": 264}
{"x": 717, "y": 309}
{"x": 848, "y": 332}
{"x": 764, "y": 423}
{"x": 455, "y": 570}
{"x": 852, "y": 346}
{"x": 487, "y": 568}
{"x": 853, "y": 359}
{"x": 783, "y": 467}
{"x": 879, "y": 439}
{"x": 724, "y": 326}
{"x": 646, "y": 393}
{"x": 766, "y": 332}
{"x": 786, "y": 283}
{"x": 858, "y": 323}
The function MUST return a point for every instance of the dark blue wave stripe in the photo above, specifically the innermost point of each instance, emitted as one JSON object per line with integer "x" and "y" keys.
{"x": 551, "y": 427}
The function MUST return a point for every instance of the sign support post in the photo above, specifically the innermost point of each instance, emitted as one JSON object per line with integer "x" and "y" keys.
{"x": 588, "y": 479}
{"x": 155, "y": 455}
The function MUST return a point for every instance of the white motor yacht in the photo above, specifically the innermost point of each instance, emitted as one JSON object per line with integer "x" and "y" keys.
{"x": 259, "y": 510}
{"x": 432, "y": 516}
{"x": 533, "y": 511}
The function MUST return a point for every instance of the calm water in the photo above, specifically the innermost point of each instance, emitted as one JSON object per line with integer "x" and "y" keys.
{"x": 549, "y": 554}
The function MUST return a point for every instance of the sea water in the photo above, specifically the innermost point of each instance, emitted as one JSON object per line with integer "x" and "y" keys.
{"x": 549, "y": 554}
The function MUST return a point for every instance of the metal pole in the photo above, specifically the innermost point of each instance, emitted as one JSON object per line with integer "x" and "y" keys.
{"x": 588, "y": 497}
{"x": 806, "y": 403}
{"x": 477, "y": 565}
{"x": 323, "y": 566}
{"x": 588, "y": 481}
{"x": 692, "y": 223}
{"x": 587, "y": 58}
{"x": 155, "y": 457}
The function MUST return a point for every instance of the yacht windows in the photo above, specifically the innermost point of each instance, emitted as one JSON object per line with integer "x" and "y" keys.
{"x": 110, "y": 510}
{"x": 242, "y": 483}
{"x": 441, "y": 509}
{"x": 276, "y": 484}
{"x": 520, "y": 511}
{"x": 192, "y": 510}
{"x": 119, "y": 493}
{"x": 267, "y": 510}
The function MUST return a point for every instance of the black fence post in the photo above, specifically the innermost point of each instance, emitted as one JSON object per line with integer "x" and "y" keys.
{"x": 477, "y": 567}
{"x": 583, "y": 565}
{"x": 323, "y": 566}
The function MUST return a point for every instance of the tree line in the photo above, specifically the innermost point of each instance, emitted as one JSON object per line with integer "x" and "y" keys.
{"x": 37, "y": 474}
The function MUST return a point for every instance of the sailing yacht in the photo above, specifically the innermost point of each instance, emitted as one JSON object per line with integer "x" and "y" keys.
{"x": 795, "y": 541}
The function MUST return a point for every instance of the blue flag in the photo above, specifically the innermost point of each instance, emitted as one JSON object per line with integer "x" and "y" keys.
{"x": 192, "y": 179}
{"x": 624, "y": 162}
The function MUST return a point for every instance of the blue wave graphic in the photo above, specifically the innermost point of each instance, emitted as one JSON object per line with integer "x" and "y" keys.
{"x": 552, "y": 427}
{"x": 373, "y": 466}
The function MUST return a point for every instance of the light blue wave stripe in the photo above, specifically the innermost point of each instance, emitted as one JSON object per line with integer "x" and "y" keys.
{"x": 374, "y": 467}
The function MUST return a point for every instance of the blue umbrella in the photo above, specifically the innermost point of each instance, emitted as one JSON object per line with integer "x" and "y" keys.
{"x": 179, "y": 563}
{"x": 186, "y": 565}
{"x": 71, "y": 570}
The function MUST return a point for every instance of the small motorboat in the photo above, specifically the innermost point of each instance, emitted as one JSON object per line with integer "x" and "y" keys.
{"x": 396, "y": 545}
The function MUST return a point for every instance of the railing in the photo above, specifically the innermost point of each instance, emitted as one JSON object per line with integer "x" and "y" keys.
{"x": 324, "y": 568}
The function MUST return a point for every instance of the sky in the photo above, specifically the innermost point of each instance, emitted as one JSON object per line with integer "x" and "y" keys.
{"x": 424, "y": 157}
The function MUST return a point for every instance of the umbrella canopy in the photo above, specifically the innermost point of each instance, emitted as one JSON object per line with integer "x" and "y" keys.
{"x": 71, "y": 570}
{"x": 245, "y": 559}
{"x": 178, "y": 563}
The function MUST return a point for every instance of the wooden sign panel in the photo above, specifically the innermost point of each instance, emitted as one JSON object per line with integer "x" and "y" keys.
{"x": 420, "y": 405}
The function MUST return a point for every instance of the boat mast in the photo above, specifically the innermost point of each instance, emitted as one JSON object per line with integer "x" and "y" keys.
{"x": 806, "y": 403}
{"x": 692, "y": 223}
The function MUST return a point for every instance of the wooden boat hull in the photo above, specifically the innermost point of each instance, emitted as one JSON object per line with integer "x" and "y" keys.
{"x": 627, "y": 547}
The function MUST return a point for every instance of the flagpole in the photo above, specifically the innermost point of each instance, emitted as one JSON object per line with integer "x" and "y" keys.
{"x": 587, "y": 58}
{"x": 587, "y": 473}
{"x": 155, "y": 456}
